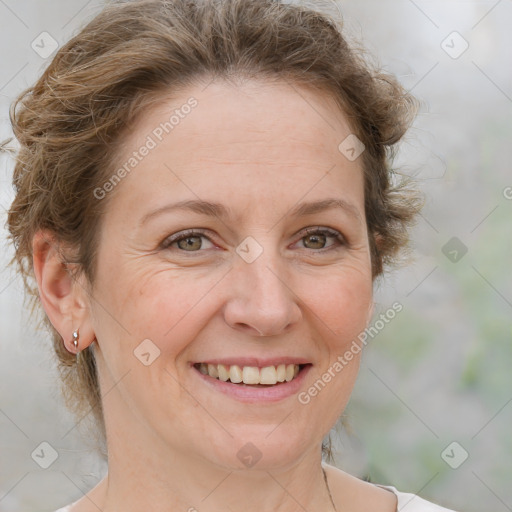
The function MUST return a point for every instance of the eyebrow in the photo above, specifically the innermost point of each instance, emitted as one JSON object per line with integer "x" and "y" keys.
{"x": 218, "y": 210}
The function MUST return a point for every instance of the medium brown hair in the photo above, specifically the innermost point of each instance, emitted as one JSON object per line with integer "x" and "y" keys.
{"x": 69, "y": 123}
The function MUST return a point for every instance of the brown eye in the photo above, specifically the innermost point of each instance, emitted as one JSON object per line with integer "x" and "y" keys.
{"x": 188, "y": 241}
{"x": 316, "y": 238}
{"x": 315, "y": 241}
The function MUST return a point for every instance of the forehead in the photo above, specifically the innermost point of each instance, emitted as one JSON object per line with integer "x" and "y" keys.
{"x": 249, "y": 112}
{"x": 240, "y": 140}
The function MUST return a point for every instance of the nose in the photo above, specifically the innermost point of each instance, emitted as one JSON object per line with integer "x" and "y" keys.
{"x": 261, "y": 301}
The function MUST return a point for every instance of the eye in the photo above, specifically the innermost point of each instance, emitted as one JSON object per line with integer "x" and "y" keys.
{"x": 315, "y": 238}
{"x": 188, "y": 241}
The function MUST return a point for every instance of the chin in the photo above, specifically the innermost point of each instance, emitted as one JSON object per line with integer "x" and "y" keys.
{"x": 262, "y": 449}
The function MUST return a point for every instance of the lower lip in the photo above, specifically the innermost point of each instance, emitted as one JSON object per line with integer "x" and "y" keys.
{"x": 251, "y": 394}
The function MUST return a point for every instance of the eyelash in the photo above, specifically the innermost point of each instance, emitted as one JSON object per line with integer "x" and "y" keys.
{"x": 332, "y": 233}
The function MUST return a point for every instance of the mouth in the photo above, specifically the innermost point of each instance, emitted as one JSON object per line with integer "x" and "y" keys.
{"x": 252, "y": 376}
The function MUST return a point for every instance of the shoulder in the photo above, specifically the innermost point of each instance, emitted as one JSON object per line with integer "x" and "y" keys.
{"x": 363, "y": 496}
{"x": 88, "y": 502}
{"x": 408, "y": 502}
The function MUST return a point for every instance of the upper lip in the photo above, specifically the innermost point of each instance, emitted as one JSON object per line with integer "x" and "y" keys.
{"x": 260, "y": 362}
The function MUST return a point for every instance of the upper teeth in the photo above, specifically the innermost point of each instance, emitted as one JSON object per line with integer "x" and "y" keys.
{"x": 251, "y": 374}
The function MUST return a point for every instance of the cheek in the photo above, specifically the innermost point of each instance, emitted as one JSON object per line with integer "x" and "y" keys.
{"x": 340, "y": 313}
{"x": 342, "y": 304}
{"x": 169, "y": 302}
{"x": 163, "y": 306}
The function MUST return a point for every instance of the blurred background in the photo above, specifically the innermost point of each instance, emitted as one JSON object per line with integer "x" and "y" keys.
{"x": 432, "y": 409}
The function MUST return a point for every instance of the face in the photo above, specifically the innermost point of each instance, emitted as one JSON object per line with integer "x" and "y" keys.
{"x": 258, "y": 278}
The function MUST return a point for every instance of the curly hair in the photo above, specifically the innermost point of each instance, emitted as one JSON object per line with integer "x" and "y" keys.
{"x": 70, "y": 122}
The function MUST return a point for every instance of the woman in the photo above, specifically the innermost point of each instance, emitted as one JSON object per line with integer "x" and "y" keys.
{"x": 204, "y": 199}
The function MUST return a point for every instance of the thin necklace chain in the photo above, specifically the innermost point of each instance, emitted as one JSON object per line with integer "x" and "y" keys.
{"x": 329, "y": 490}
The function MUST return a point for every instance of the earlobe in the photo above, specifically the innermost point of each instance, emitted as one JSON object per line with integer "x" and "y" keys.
{"x": 62, "y": 297}
{"x": 378, "y": 241}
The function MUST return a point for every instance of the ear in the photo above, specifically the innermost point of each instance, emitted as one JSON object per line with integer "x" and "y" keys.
{"x": 379, "y": 241}
{"x": 64, "y": 297}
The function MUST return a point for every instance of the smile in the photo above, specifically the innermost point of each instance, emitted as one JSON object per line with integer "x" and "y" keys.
{"x": 251, "y": 375}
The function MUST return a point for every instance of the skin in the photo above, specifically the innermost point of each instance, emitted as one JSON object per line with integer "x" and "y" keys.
{"x": 259, "y": 149}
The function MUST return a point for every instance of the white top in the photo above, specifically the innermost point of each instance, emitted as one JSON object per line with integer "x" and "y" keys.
{"x": 406, "y": 503}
